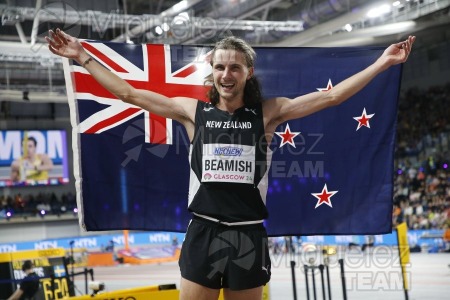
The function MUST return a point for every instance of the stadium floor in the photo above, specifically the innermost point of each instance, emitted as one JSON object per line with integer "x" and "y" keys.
{"x": 368, "y": 276}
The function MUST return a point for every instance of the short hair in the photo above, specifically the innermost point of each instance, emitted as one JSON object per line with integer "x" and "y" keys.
{"x": 27, "y": 265}
{"x": 252, "y": 90}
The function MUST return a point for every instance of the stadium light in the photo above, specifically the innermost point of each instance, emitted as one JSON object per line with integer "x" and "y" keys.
{"x": 158, "y": 30}
{"x": 378, "y": 11}
{"x": 165, "y": 27}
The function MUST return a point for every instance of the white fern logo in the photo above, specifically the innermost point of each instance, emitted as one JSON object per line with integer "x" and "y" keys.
{"x": 251, "y": 110}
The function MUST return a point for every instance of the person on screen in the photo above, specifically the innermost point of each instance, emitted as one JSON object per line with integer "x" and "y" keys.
{"x": 29, "y": 286}
{"x": 32, "y": 165}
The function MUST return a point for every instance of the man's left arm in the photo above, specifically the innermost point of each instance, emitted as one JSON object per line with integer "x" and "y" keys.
{"x": 279, "y": 110}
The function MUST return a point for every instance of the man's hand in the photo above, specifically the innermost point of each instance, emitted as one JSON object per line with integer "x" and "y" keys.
{"x": 65, "y": 45}
{"x": 398, "y": 53}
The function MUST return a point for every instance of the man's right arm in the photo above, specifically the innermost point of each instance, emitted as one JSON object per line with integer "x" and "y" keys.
{"x": 174, "y": 108}
{"x": 181, "y": 109}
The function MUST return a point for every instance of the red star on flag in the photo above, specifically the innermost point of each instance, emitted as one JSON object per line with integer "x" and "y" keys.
{"x": 287, "y": 136}
{"x": 363, "y": 120}
{"x": 329, "y": 87}
{"x": 324, "y": 197}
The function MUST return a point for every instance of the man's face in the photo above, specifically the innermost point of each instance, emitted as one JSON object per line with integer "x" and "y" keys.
{"x": 31, "y": 148}
{"x": 230, "y": 73}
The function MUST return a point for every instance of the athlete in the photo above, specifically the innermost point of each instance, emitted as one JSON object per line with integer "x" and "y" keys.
{"x": 32, "y": 165}
{"x": 229, "y": 158}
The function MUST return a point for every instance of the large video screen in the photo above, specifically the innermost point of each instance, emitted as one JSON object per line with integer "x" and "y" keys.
{"x": 33, "y": 157}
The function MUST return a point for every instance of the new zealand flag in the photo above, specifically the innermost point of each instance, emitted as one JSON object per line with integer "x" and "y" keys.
{"x": 331, "y": 172}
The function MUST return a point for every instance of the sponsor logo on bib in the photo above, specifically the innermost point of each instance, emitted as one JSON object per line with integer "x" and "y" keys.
{"x": 228, "y": 163}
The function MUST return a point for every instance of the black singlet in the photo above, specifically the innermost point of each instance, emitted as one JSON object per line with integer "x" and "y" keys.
{"x": 229, "y": 158}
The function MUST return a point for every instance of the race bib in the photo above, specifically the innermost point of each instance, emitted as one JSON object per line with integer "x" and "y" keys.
{"x": 228, "y": 163}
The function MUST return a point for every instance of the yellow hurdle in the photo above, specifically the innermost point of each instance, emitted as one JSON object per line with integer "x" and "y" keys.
{"x": 140, "y": 293}
{"x": 148, "y": 293}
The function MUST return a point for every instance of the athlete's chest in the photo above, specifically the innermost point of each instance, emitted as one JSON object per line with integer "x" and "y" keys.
{"x": 243, "y": 126}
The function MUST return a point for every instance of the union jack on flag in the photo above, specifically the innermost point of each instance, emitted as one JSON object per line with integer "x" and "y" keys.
{"x": 170, "y": 71}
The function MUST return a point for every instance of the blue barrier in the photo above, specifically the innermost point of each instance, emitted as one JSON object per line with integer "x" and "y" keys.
{"x": 431, "y": 239}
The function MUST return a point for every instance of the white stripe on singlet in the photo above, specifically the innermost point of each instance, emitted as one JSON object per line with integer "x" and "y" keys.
{"x": 227, "y": 223}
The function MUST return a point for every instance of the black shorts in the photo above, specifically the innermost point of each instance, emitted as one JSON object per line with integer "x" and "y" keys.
{"x": 219, "y": 256}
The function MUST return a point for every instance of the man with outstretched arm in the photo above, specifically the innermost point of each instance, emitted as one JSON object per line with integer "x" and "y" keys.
{"x": 225, "y": 205}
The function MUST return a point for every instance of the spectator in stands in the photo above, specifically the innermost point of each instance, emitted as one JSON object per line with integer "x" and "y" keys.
{"x": 397, "y": 215}
{"x": 19, "y": 204}
{"x": 446, "y": 237}
{"x": 29, "y": 286}
{"x": 110, "y": 246}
